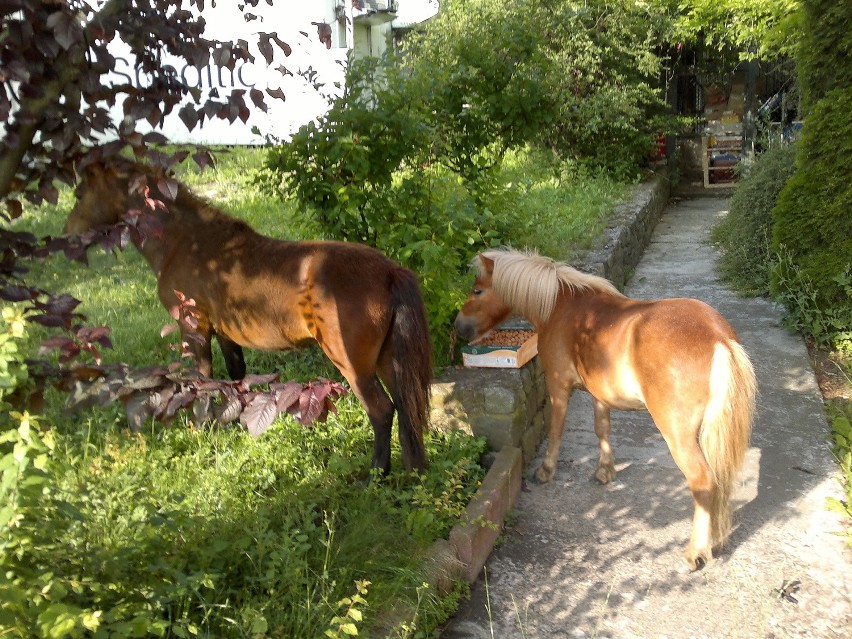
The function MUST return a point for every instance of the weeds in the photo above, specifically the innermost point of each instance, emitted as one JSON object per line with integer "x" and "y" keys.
{"x": 571, "y": 204}
{"x": 840, "y": 416}
{"x": 807, "y": 312}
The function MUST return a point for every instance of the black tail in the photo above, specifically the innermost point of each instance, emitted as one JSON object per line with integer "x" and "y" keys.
{"x": 412, "y": 366}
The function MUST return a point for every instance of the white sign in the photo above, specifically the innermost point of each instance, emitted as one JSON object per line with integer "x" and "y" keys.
{"x": 302, "y": 102}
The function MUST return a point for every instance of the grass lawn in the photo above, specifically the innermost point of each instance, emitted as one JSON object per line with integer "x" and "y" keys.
{"x": 188, "y": 531}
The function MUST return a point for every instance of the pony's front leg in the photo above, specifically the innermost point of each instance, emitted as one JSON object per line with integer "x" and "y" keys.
{"x": 605, "y": 472}
{"x": 198, "y": 345}
{"x": 559, "y": 397}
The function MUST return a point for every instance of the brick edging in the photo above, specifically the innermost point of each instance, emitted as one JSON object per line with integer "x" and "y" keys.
{"x": 474, "y": 536}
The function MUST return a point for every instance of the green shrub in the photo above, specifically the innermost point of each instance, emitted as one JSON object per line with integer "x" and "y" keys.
{"x": 813, "y": 225}
{"x": 828, "y": 324}
{"x": 187, "y": 532}
{"x": 573, "y": 204}
{"x": 580, "y": 80}
{"x": 603, "y": 70}
{"x": 745, "y": 235}
{"x": 822, "y": 61}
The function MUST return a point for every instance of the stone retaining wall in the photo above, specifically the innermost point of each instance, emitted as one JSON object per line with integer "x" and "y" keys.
{"x": 629, "y": 232}
{"x": 509, "y": 406}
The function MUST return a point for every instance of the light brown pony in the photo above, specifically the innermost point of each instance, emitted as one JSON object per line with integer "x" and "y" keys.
{"x": 678, "y": 358}
{"x": 364, "y": 310}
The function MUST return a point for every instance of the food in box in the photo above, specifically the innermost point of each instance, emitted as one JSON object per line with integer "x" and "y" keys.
{"x": 507, "y": 346}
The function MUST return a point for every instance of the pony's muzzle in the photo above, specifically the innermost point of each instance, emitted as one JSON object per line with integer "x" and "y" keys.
{"x": 465, "y": 328}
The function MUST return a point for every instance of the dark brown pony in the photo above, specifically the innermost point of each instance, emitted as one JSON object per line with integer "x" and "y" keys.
{"x": 677, "y": 358}
{"x": 364, "y": 310}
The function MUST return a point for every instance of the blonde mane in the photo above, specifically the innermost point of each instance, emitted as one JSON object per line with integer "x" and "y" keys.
{"x": 529, "y": 282}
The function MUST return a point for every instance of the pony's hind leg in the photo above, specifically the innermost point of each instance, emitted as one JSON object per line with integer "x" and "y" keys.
{"x": 605, "y": 472}
{"x": 368, "y": 389}
{"x": 687, "y": 454}
{"x": 235, "y": 363}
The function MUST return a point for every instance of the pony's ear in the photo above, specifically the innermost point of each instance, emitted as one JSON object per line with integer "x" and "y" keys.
{"x": 487, "y": 264}
{"x": 99, "y": 168}
{"x": 86, "y": 168}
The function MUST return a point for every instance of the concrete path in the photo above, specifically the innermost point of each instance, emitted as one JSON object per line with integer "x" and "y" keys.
{"x": 585, "y": 560}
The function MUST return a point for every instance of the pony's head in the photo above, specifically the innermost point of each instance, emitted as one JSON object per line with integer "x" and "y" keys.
{"x": 484, "y": 308}
{"x": 101, "y": 198}
{"x": 525, "y": 282}
{"x": 106, "y": 191}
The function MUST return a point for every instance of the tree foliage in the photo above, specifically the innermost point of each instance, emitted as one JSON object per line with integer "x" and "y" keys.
{"x": 825, "y": 49}
{"x": 578, "y": 78}
{"x": 763, "y": 29}
{"x": 56, "y": 93}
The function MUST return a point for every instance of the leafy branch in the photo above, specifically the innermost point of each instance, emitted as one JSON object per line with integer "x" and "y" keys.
{"x": 159, "y": 392}
{"x": 154, "y": 392}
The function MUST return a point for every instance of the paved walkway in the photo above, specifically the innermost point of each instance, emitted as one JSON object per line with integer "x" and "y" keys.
{"x": 584, "y": 560}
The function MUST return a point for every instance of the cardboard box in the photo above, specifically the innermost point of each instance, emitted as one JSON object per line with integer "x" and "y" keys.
{"x": 495, "y": 355}
{"x": 715, "y": 96}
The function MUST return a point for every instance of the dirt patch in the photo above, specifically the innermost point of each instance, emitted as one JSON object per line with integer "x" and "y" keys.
{"x": 833, "y": 373}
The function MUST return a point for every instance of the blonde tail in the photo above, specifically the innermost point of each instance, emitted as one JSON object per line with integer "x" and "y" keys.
{"x": 726, "y": 429}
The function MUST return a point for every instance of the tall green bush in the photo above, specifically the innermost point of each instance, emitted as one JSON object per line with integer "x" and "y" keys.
{"x": 761, "y": 29}
{"x": 604, "y": 63}
{"x": 823, "y": 58}
{"x": 814, "y": 212}
{"x": 745, "y": 235}
{"x": 813, "y": 224}
{"x": 482, "y": 73}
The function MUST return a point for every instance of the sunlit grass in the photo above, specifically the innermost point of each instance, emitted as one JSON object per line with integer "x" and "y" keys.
{"x": 560, "y": 209}
{"x": 230, "y": 187}
{"x": 272, "y": 530}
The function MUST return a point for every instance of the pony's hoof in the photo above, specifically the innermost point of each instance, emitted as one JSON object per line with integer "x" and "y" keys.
{"x": 542, "y": 475}
{"x": 373, "y": 478}
{"x": 696, "y": 560}
{"x": 605, "y": 474}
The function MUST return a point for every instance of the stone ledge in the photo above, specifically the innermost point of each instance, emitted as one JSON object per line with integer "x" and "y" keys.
{"x": 628, "y": 234}
{"x": 506, "y": 406}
